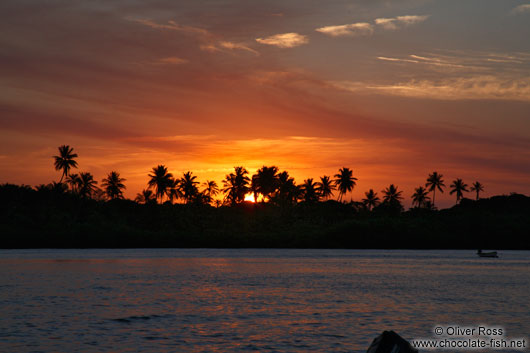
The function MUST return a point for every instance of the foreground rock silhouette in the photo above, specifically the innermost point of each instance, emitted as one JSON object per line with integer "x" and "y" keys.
{"x": 390, "y": 342}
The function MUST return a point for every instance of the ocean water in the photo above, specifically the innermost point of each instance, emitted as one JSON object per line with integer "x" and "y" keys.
{"x": 243, "y": 300}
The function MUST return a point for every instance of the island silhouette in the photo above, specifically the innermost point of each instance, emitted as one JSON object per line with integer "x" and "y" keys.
{"x": 177, "y": 211}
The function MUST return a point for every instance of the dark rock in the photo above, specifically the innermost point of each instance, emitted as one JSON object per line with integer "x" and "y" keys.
{"x": 390, "y": 342}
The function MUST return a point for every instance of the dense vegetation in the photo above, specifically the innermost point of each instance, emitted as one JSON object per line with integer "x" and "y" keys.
{"x": 54, "y": 218}
{"x": 173, "y": 212}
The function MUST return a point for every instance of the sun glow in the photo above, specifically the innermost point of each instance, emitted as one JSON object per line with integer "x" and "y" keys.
{"x": 250, "y": 198}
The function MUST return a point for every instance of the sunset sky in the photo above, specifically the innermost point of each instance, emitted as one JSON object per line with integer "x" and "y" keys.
{"x": 392, "y": 89}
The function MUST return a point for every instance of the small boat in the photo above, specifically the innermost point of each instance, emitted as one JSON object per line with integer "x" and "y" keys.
{"x": 480, "y": 253}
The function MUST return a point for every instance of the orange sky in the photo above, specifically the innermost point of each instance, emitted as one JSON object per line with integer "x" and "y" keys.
{"x": 393, "y": 90}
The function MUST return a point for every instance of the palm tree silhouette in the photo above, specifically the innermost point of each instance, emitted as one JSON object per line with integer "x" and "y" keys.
{"x": 146, "y": 196}
{"x": 478, "y": 188}
{"x": 254, "y": 187}
{"x": 87, "y": 185}
{"x": 371, "y": 199}
{"x": 65, "y": 160}
{"x": 161, "y": 180}
{"x": 392, "y": 195}
{"x": 236, "y": 185}
{"x": 310, "y": 193}
{"x": 74, "y": 181}
{"x": 325, "y": 187}
{"x": 188, "y": 187}
{"x": 174, "y": 191}
{"x": 288, "y": 191}
{"x": 230, "y": 188}
{"x": 458, "y": 187}
{"x": 344, "y": 181}
{"x": 435, "y": 181}
{"x": 113, "y": 185}
{"x": 210, "y": 190}
{"x": 265, "y": 182}
{"x": 420, "y": 197}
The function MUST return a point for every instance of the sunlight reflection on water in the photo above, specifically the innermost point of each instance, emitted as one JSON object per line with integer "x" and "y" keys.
{"x": 210, "y": 300}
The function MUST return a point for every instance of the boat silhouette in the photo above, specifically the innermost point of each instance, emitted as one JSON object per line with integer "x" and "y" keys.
{"x": 480, "y": 253}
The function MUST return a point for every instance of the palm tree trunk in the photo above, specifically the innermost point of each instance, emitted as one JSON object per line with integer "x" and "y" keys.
{"x": 433, "y": 197}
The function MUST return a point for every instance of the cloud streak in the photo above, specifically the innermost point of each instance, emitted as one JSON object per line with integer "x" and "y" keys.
{"x": 353, "y": 29}
{"x": 284, "y": 40}
{"x": 462, "y": 88}
{"x": 237, "y": 46}
{"x": 394, "y": 23}
{"x": 173, "y": 60}
{"x": 209, "y": 44}
{"x": 512, "y": 64}
{"x": 418, "y": 59}
{"x": 384, "y": 58}
{"x": 171, "y": 25}
{"x": 366, "y": 29}
{"x": 223, "y": 46}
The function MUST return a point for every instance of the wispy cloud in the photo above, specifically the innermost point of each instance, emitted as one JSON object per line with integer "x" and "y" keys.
{"x": 353, "y": 29}
{"x": 171, "y": 25}
{"x": 210, "y": 47}
{"x": 209, "y": 44}
{"x": 497, "y": 60}
{"x": 237, "y": 46}
{"x": 365, "y": 28}
{"x": 387, "y": 23}
{"x": 462, "y": 88}
{"x": 435, "y": 61}
{"x": 384, "y": 58}
{"x": 418, "y": 59}
{"x": 172, "y": 60}
{"x": 394, "y": 23}
{"x": 468, "y": 60}
{"x": 412, "y": 19}
{"x": 522, "y": 8}
{"x": 284, "y": 40}
{"x": 224, "y": 46}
